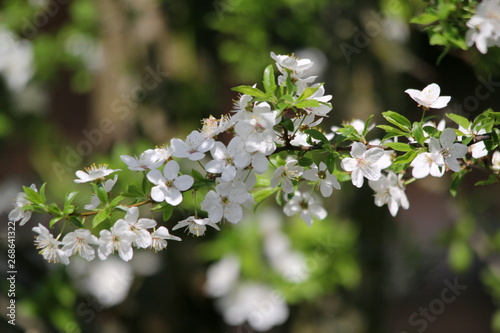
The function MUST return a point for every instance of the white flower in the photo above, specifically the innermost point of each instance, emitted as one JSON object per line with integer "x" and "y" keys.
{"x": 286, "y": 174}
{"x": 195, "y": 226}
{"x": 194, "y": 148}
{"x": 441, "y": 152}
{"x": 446, "y": 151}
{"x": 256, "y": 128}
{"x": 222, "y": 275}
{"x": 495, "y": 161}
{"x": 79, "y": 241}
{"x": 297, "y": 67}
{"x": 424, "y": 164}
{"x": 305, "y": 205}
{"x": 363, "y": 163}
{"x": 429, "y": 97}
{"x": 138, "y": 226}
{"x": 94, "y": 172}
{"x": 477, "y": 149}
{"x": 18, "y": 214}
{"x": 228, "y": 159}
{"x": 169, "y": 185}
{"x": 159, "y": 238}
{"x": 149, "y": 159}
{"x": 226, "y": 201}
{"x": 390, "y": 190}
{"x": 94, "y": 200}
{"x": 213, "y": 126}
{"x": 116, "y": 240}
{"x": 164, "y": 153}
{"x": 327, "y": 181}
{"x": 49, "y": 246}
{"x": 484, "y": 26}
{"x": 255, "y": 303}
{"x": 242, "y": 105}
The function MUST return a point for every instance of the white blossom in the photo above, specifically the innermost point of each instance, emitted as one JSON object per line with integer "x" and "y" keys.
{"x": 424, "y": 164}
{"x": 213, "y": 126}
{"x": 159, "y": 238}
{"x": 116, "y": 239}
{"x": 429, "y": 97}
{"x": 390, "y": 190}
{"x": 484, "y": 26}
{"x": 327, "y": 181}
{"x": 226, "y": 201}
{"x": 195, "y": 226}
{"x": 228, "y": 159}
{"x": 298, "y": 67}
{"x": 286, "y": 174}
{"x": 495, "y": 161}
{"x": 194, "y": 148}
{"x": 306, "y": 206}
{"x": 363, "y": 163}
{"x": 48, "y": 246}
{"x": 149, "y": 159}
{"x": 138, "y": 226}
{"x": 80, "y": 241}
{"x": 18, "y": 214}
{"x": 169, "y": 184}
{"x": 93, "y": 173}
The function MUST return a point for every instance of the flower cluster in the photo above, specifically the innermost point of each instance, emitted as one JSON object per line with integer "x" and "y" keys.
{"x": 484, "y": 26}
{"x": 275, "y": 147}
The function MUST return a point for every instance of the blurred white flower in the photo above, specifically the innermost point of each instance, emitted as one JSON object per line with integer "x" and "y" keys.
{"x": 195, "y": 226}
{"x": 222, "y": 276}
{"x": 390, "y": 190}
{"x": 18, "y": 214}
{"x": 484, "y": 26}
{"x": 94, "y": 172}
{"x": 306, "y": 206}
{"x": 429, "y": 97}
{"x": 149, "y": 159}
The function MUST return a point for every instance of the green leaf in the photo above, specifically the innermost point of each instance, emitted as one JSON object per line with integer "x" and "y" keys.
{"x": 133, "y": 191}
{"x": 406, "y": 158}
{"x": 367, "y": 125}
{"x": 248, "y": 90}
{"x": 418, "y": 133}
{"x": 456, "y": 181}
{"x": 460, "y": 255}
{"x": 288, "y": 124}
{"x": 197, "y": 175}
{"x": 310, "y": 103}
{"x": 100, "y": 217}
{"x": 308, "y": 92}
{"x": 494, "y": 178}
{"x": 462, "y": 121}
{"x": 437, "y": 39}
{"x": 305, "y": 161}
{"x": 396, "y": 119}
{"x": 399, "y": 146}
{"x": 392, "y": 130}
{"x": 269, "y": 80}
{"x": 425, "y": 18}
{"x": 432, "y": 131}
{"x": 202, "y": 183}
{"x": 315, "y": 134}
{"x": 330, "y": 162}
{"x": 102, "y": 195}
{"x": 76, "y": 221}
{"x": 32, "y": 195}
{"x": 168, "y": 210}
{"x": 42, "y": 193}
{"x": 54, "y": 221}
{"x": 116, "y": 201}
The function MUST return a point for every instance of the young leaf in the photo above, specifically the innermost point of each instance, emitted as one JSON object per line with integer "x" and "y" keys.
{"x": 418, "y": 133}
{"x": 168, "y": 210}
{"x": 459, "y": 120}
{"x": 269, "y": 80}
{"x": 308, "y": 92}
{"x": 248, "y": 90}
{"x": 315, "y": 134}
{"x": 424, "y": 19}
{"x": 288, "y": 124}
{"x": 397, "y": 119}
{"x": 76, "y": 221}
{"x": 100, "y": 217}
{"x": 399, "y": 146}
{"x": 456, "y": 180}
{"x": 309, "y": 103}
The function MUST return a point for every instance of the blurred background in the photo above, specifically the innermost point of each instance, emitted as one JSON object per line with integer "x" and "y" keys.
{"x": 87, "y": 81}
